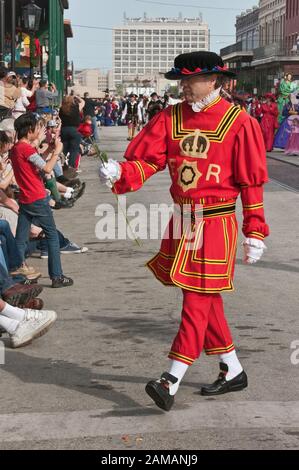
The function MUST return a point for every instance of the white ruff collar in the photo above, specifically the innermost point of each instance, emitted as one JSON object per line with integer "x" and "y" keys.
{"x": 200, "y": 105}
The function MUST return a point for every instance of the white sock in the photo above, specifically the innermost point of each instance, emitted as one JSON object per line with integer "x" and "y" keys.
{"x": 69, "y": 193}
{"x": 233, "y": 363}
{"x": 14, "y": 313}
{"x": 177, "y": 369}
{"x": 8, "y": 324}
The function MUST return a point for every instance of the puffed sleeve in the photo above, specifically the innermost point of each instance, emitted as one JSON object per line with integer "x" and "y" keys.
{"x": 146, "y": 156}
{"x": 250, "y": 169}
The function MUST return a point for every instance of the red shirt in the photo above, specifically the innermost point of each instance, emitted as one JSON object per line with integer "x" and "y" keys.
{"x": 32, "y": 105}
{"x": 85, "y": 130}
{"x": 27, "y": 175}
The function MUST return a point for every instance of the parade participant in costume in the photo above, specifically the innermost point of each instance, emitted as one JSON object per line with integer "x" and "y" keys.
{"x": 286, "y": 88}
{"x": 269, "y": 122}
{"x": 214, "y": 152}
{"x": 256, "y": 109}
{"x": 155, "y": 106}
{"x": 283, "y": 134}
{"x": 292, "y": 147}
{"x": 130, "y": 115}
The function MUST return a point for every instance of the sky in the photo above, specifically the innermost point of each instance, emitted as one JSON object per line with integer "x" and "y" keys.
{"x": 92, "y": 48}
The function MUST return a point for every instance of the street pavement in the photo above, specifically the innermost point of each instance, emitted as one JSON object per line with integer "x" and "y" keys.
{"x": 82, "y": 385}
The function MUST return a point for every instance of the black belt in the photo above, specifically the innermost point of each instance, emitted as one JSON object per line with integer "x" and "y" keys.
{"x": 209, "y": 212}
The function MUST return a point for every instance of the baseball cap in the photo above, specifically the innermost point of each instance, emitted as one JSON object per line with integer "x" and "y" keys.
{"x": 12, "y": 74}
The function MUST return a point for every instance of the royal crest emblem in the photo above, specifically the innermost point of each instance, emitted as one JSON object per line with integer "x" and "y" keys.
{"x": 189, "y": 176}
{"x": 195, "y": 145}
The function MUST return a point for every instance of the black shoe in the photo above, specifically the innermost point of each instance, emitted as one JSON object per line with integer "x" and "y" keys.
{"x": 29, "y": 282}
{"x": 64, "y": 204}
{"x": 62, "y": 281}
{"x": 159, "y": 391}
{"x": 79, "y": 192}
{"x": 222, "y": 385}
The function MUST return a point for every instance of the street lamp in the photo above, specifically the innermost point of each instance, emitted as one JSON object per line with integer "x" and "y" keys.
{"x": 31, "y": 15}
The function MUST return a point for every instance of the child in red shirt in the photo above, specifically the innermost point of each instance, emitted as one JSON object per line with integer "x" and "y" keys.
{"x": 34, "y": 207}
{"x": 85, "y": 129}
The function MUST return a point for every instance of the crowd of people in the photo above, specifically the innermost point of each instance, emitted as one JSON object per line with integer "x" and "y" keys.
{"x": 278, "y": 115}
{"x": 40, "y": 151}
{"x": 131, "y": 110}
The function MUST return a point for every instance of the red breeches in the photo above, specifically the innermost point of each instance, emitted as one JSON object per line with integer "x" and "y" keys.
{"x": 203, "y": 327}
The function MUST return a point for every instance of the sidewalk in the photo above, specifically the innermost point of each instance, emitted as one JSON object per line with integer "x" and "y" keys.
{"x": 279, "y": 155}
{"x": 82, "y": 385}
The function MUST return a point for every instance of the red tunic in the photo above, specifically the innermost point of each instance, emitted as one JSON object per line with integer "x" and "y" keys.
{"x": 269, "y": 124}
{"x": 212, "y": 156}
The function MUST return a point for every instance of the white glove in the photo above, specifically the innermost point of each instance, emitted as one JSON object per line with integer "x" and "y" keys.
{"x": 110, "y": 172}
{"x": 253, "y": 250}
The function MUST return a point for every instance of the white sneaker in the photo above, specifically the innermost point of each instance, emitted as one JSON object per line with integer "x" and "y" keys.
{"x": 35, "y": 324}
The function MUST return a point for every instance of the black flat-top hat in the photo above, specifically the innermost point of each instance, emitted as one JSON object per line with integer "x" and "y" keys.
{"x": 198, "y": 63}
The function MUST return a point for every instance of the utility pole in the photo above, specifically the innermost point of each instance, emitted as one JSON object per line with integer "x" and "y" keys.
{"x": 13, "y": 35}
{"x": 2, "y": 31}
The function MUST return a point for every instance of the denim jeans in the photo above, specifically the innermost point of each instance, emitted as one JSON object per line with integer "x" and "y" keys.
{"x": 9, "y": 247}
{"x": 3, "y": 260}
{"x": 95, "y": 129}
{"x": 58, "y": 170}
{"x": 71, "y": 140}
{"x": 63, "y": 242}
{"x": 5, "y": 280}
{"x": 39, "y": 213}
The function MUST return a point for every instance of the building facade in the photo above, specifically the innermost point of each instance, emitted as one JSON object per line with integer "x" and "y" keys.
{"x": 292, "y": 26}
{"x": 247, "y": 29}
{"x": 275, "y": 57}
{"x": 239, "y": 56}
{"x": 277, "y": 51}
{"x": 94, "y": 79}
{"x": 145, "y": 47}
{"x": 272, "y": 16}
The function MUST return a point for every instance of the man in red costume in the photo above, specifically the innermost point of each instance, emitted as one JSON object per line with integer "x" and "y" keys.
{"x": 215, "y": 152}
{"x": 269, "y": 121}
